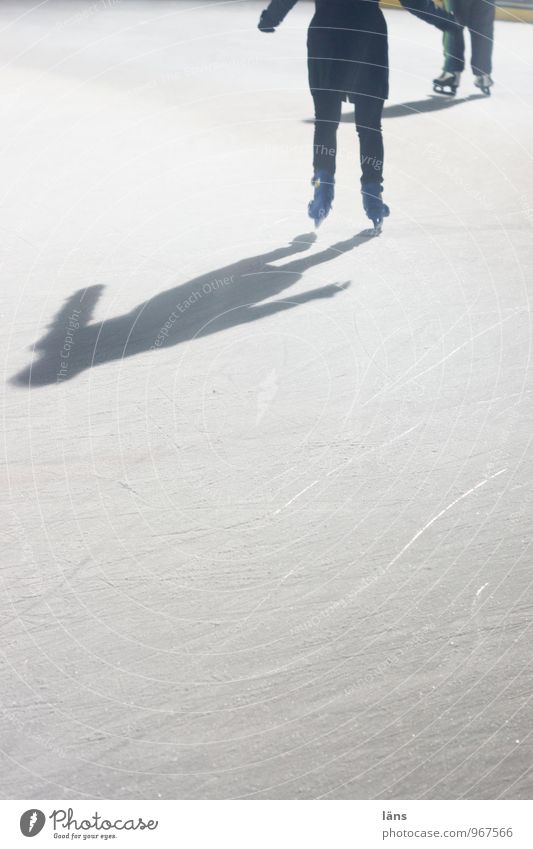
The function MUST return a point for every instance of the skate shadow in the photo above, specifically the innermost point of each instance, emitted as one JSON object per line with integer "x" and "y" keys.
{"x": 219, "y": 300}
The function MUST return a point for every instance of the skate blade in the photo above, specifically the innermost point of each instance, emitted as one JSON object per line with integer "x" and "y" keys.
{"x": 448, "y": 91}
{"x": 484, "y": 89}
{"x": 320, "y": 220}
{"x": 376, "y": 230}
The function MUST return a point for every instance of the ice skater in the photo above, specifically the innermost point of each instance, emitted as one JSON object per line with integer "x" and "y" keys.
{"x": 478, "y": 17}
{"x": 347, "y": 49}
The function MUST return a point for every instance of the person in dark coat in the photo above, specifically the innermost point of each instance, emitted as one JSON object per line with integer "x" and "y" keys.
{"x": 347, "y": 49}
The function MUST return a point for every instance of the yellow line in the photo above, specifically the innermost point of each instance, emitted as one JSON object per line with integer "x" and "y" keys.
{"x": 509, "y": 13}
{"x": 514, "y": 13}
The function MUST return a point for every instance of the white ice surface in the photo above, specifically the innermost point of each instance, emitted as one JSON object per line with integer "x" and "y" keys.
{"x": 287, "y": 553}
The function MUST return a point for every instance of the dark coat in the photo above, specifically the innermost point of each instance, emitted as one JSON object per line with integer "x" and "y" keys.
{"x": 347, "y": 49}
{"x": 347, "y": 46}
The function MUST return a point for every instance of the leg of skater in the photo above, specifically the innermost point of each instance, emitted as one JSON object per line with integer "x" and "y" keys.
{"x": 327, "y": 117}
{"x": 453, "y": 43}
{"x": 481, "y": 27}
{"x": 368, "y": 114}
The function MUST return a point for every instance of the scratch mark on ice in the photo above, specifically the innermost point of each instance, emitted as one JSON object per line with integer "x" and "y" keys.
{"x": 295, "y": 497}
{"x": 441, "y": 513}
{"x": 385, "y": 444}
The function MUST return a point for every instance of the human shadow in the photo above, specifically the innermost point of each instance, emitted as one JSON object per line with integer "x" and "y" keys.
{"x": 223, "y": 298}
{"x": 433, "y": 103}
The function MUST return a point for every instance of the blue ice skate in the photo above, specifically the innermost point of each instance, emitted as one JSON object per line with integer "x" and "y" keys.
{"x": 320, "y": 207}
{"x": 373, "y": 205}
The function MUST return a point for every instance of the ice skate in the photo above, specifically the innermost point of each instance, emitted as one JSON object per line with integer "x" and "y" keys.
{"x": 447, "y": 83}
{"x": 320, "y": 207}
{"x": 373, "y": 205}
{"x": 484, "y": 82}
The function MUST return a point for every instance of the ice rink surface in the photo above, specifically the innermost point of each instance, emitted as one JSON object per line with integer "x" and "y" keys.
{"x": 268, "y": 500}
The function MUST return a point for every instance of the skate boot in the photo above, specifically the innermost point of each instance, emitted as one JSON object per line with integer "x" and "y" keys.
{"x": 484, "y": 82}
{"x": 447, "y": 83}
{"x": 320, "y": 207}
{"x": 373, "y": 205}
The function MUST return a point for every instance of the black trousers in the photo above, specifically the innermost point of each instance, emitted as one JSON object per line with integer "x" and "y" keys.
{"x": 368, "y": 112}
{"x": 478, "y": 17}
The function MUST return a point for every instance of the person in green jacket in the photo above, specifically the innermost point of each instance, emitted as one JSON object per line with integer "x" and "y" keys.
{"x": 478, "y": 17}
